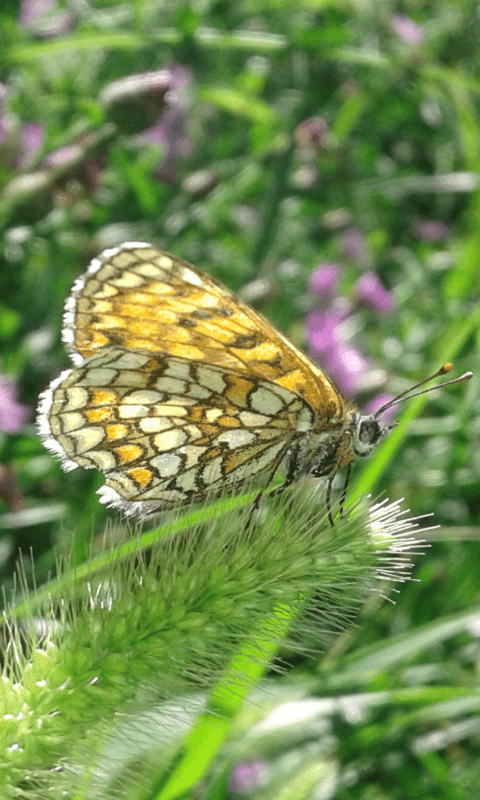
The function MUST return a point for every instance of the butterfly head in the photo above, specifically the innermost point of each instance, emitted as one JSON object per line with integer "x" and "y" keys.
{"x": 369, "y": 429}
{"x": 367, "y": 433}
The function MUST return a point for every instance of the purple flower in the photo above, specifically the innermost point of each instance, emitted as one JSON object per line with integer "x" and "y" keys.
{"x": 327, "y": 331}
{"x": 12, "y": 414}
{"x": 407, "y": 29}
{"x": 324, "y": 280}
{"x": 346, "y": 365}
{"x": 31, "y": 140}
{"x": 32, "y": 136}
{"x": 352, "y": 244}
{"x": 325, "y": 337}
{"x": 372, "y": 293}
{"x": 247, "y": 776}
{"x": 322, "y": 330}
{"x": 431, "y": 230}
{"x": 22, "y": 145}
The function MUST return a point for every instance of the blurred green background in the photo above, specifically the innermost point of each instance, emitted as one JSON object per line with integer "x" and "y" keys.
{"x": 272, "y": 144}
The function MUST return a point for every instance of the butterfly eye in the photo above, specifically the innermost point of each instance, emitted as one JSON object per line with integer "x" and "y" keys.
{"x": 369, "y": 431}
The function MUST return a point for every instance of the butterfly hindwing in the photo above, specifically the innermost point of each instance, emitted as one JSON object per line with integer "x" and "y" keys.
{"x": 167, "y": 430}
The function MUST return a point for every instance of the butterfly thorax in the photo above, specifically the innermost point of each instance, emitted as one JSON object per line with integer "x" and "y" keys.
{"x": 334, "y": 442}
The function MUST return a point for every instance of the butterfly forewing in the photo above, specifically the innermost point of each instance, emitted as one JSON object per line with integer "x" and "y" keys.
{"x": 146, "y": 299}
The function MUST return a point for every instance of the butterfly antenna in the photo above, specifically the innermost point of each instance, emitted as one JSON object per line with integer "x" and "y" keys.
{"x": 409, "y": 393}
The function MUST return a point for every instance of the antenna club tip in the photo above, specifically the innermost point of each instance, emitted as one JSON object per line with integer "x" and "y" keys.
{"x": 446, "y": 368}
{"x": 467, "y": 376}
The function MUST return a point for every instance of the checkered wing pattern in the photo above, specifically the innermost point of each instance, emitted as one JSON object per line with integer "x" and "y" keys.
{"x": 145, "y": 299}
{"x": 180, "y": 391}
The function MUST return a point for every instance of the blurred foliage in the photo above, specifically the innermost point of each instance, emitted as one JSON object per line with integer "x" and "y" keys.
{"x": 218, "y": 167}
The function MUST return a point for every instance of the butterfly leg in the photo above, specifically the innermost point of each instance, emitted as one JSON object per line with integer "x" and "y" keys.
{"x": 294, "y": 469}
{"x": 343, "y": 496}
{"x": 340, "y": 461}
{"x": 289, "y": 478}
{"x": 328, "y": 498}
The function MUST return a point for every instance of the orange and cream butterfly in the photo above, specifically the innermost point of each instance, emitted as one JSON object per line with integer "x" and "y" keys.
{"x": 181, "y": 391}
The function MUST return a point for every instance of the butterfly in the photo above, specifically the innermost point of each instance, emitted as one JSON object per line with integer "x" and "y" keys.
{"x": 180, "y": 391}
